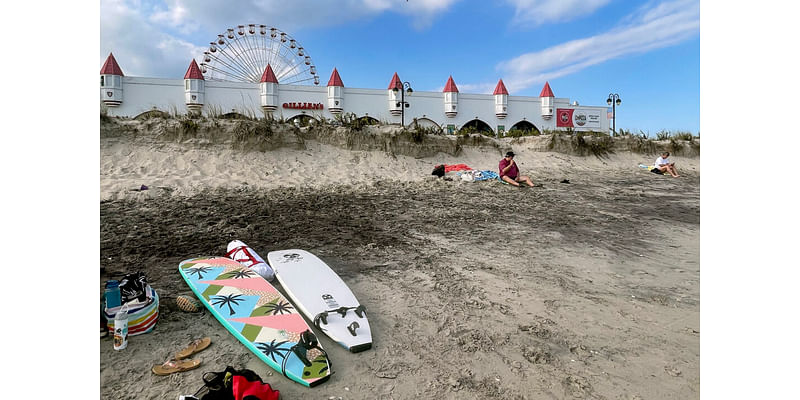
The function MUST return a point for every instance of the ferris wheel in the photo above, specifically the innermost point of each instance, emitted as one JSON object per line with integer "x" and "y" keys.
{"x": 242, "y": 54}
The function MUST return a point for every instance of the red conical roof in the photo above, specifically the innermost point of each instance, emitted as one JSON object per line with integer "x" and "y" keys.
{"x": 500, "y": 88}
{"x": 193, "y": 72}
{"x": 335, "y": 79}
{"x": 546, "y": 92}
{"x": 111, "y": 67}
{"x": 450, "y": 86}
{"x": 396, "y": 82}
{"x": 268, "y": 75}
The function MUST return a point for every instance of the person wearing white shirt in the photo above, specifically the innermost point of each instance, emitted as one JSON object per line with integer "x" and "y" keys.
{"x": 663, "y": 165}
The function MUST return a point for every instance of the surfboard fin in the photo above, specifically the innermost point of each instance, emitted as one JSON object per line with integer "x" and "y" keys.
{"x": 360, "y": 311}
{"x": 323, "y": 316}
{"x": 352, "y": 328}
{"x": 342, "y": 311}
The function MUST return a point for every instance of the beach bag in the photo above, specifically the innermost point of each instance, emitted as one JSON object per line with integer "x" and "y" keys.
{"x": 233, "y": 384}
{"x": 438, "y": 171}
{"x": 142, "y": 315}
{"x": 243, "y": 254}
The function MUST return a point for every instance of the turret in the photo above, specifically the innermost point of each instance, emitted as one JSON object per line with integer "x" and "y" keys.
{"x": 395, "y": 87}
{"x": 335, "y": 93}
{"x": 269, "y": 90}
{"x": 500, "y": 100}
{"x": 111, "y": 82}
{"x": 450, "y": 98}
{"x": 194, "y": 87}
{"x": 546, "y": 97}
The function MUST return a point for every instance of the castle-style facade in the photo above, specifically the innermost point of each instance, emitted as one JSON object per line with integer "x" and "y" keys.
{"x": 450, "y": 110}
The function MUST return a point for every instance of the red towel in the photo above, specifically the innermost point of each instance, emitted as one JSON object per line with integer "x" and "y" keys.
{"x": 242, "y": 387}
{"x": 456, "y": 167}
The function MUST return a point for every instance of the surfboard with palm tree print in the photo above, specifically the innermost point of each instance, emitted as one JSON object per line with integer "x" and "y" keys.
{"x": 253, "y": 311}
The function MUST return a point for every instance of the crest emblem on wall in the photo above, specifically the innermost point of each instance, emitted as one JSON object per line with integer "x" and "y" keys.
{"x": 109, "y": 94}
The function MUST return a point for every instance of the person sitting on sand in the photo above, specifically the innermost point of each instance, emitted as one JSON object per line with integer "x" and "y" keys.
{"x": 510, "y": 173}
{"x": 663, "y": 165}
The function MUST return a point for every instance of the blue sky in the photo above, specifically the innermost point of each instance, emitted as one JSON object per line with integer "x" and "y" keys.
{"x": 647, "y": 51}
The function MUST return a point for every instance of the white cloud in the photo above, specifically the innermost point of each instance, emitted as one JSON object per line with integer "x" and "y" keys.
{"x": 210, "y": 16}
{"x": 148, "y": 36}
{"x": 539, "y": 12}
{"x": 139, "y": 46}
{"x": 662, "y": 25}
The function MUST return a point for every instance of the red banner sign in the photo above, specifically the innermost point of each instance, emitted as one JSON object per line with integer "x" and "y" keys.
{"x": 303, "y": 106}
{"x": 564, "y": 117}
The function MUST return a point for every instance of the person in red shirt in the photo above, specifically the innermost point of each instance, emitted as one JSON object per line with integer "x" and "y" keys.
{"x": 510, "y": 173}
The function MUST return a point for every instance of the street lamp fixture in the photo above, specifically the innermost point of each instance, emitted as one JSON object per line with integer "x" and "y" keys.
{"x": 613, "y": 100}
{"x": 403, "y": 104}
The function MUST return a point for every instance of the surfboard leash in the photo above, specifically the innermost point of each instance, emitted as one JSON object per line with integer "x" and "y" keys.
{"x": 307, "y": 342}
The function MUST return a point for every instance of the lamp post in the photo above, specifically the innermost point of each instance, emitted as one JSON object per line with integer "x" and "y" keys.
{"x": 402, "y": 103}
{"x": 613, "y": 100}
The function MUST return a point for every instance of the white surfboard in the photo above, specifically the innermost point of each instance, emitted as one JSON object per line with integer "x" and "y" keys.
{"x": 323, "y": 297}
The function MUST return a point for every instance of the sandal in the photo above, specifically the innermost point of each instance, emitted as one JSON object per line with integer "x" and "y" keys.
{"x": 173, "y": 366}
{"x": 194, "y": 347}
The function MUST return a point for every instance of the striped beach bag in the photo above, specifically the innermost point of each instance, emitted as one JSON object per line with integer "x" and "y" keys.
{"x": 142, "y": 315}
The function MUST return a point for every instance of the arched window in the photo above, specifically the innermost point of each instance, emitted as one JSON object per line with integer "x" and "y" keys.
{"x": 476, "y": 125}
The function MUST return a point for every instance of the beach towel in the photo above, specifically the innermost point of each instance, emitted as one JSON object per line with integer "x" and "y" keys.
{"x": 233, "y": 384}
{"x": 132, "y": 288}
{"x": 477, "y": 175}
{"x": 456, "y": 167}
{"x": 652, "y": 169}
{"x": 485, "y": 175}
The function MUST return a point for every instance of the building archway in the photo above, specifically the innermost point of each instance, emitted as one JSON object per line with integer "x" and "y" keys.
{"x": 302, "y": 120}
{"x": 477, "y": 126}
{"x": 234, "y": 115}
{"x": 367, "y": 120}
{"x": 526, "y": 126}
{"x": 425, "y": 123}
{"x": 151, "y": 114}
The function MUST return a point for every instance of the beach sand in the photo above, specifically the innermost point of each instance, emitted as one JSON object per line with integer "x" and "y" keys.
{"x": 587, "y": 289}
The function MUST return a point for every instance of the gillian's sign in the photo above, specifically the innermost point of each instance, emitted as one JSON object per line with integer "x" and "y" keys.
{"x": 303, "y": 106}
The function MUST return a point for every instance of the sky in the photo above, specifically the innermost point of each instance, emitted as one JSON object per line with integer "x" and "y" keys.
{"x": 647, "y": 52}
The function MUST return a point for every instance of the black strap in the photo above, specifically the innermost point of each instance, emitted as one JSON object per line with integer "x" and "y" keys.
{"x": 307, "y": 342}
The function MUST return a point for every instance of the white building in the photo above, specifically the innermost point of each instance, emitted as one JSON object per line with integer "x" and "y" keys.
{"x": 449, "y": 110}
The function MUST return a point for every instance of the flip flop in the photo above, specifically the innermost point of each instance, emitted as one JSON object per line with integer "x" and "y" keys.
{"x": 194, "y": 347}
{"x": 172, "y": 366}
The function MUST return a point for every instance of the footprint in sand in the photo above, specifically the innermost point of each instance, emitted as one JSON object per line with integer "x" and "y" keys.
{"x": 180, "y": 163}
